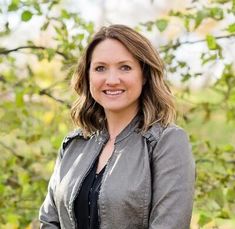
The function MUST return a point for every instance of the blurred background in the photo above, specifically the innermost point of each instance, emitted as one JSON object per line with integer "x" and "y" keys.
{"x": 40, "y": 43}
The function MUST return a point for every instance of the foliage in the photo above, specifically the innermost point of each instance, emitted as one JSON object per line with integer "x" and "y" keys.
{"x": 35, "y": 101}
{"x": 215, "y": 160}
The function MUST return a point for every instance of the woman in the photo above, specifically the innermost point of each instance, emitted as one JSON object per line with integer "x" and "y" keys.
{"x": 127, "y": 166}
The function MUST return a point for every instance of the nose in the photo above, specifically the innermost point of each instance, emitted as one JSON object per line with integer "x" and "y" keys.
{"x": 112, "y": 78}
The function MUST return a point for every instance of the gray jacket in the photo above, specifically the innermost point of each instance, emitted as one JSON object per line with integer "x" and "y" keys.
{"x": 148, "y": 182}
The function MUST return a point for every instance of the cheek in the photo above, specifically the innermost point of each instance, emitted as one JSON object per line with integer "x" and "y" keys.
{"x": 91, "y": 86}
{"x": 92, "y": 89}
{"x": 95, "y": 82}
{"x": 141, "y": 82}
{"x": 94, "y": 85}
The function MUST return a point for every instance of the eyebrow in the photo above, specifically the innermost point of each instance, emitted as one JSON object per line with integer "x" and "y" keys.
{"x": 120, "y": 62}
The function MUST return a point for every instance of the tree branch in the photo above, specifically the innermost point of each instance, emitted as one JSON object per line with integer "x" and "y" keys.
{"x": 7, "y": 51}
{"x": 45, "y": 92}
{"x": 176, "y": 44}
{"x": 11, "y": 150}
{"x": 203, "y": 40}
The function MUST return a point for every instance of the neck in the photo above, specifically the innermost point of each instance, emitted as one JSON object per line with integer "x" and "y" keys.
{"x": 117, "y": 122}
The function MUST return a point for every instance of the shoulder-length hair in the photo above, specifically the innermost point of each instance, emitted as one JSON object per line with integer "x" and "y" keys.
{"x": 156, "y": 101}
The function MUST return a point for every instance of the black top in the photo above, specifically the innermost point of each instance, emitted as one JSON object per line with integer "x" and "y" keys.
{"x": 85, "y": 207}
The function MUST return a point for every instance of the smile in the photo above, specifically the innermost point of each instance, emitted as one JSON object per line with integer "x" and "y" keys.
{"x": 116, "y": 92}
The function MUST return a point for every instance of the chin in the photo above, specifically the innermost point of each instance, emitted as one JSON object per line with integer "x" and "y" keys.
{"x": 114, "y": 109}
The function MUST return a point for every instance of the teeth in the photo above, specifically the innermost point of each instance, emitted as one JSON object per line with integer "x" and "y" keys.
{"x": 113, "y": 92}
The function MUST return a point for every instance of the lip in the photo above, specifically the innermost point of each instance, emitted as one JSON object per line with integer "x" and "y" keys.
{"x": 112, "y": 92}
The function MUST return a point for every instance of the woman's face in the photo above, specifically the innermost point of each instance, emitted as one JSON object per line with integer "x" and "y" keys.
{"x": 115, "y": 77}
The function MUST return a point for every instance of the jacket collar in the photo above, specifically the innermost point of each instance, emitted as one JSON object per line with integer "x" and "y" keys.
{"x": 103, "y": 135}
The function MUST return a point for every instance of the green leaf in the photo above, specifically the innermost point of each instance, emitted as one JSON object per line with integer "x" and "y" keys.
{"x": 176, "y": 13}
{"x": 233, "y": 7}
{"x": 187, "y": 23}
{"x": 229, "y": 148}
{"x": 211, "y": 42}
{"x": 148, "y": 25}
{"x": 202, "y": 14}
{"x": 185, "y": 77}
{"x": 40, "y": 55}
{"x": 232, "y": 95}
{"x": 230, "y": 196}
{"x": 45, "y": 25}
{"x": 208, "y": 59}
{"x": 90, "y": 27}
{"x": 230, "y": 115}
{"x": 14, "y": 5}
{"x": 231, "y": 28}
{"x": 203, "y": 220}
{"x": 26, "y": 190}
{"x": 30, "y": 43}
{"x": 162, "y": 24}
{"x": 218, "y": 196}
{"x": 19, "y": 98}
{"x": 52, "y": 3}
{"x": 182, "y": 64}
{"x": 2, "y": 187}
{"x": 13, "y": 219}
{"x": 217, "y": 13}
{"x": 37, "y": 8}
{"x": 224, "y": 214}
{"x": 65, "y": 14}
{"x": 79, "y": 37}
{"x": 51, "y": 53}
{"x": 23, "y": 178}
{"x": 221, "y": 1}
{"x": 26, "y": 15}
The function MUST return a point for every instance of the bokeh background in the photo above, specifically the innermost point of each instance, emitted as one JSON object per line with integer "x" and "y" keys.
{"x": 40, "y": 43}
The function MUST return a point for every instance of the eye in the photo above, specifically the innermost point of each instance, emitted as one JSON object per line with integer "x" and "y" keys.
{"x": 100, "y": 69}
{"x": 125, "y": 68}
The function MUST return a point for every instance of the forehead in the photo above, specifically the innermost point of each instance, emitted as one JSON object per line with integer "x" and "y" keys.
{"x": 111, "y": 49}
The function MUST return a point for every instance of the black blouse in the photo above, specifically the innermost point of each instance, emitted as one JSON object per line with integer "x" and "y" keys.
{"x": 86, "y": 209}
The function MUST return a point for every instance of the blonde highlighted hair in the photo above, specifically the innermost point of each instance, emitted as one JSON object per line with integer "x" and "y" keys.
{"x": 156, "y": 100}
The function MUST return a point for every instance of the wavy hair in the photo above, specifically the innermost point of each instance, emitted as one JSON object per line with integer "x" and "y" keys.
{"x": 156, "y": 100}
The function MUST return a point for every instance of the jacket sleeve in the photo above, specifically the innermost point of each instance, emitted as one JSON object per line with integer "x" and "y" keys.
{"x": 48, "y": 215}
{"x": 173, "y": 177}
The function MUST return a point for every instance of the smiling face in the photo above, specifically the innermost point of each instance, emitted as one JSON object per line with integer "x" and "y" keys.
{"x": 115, "y": 77}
